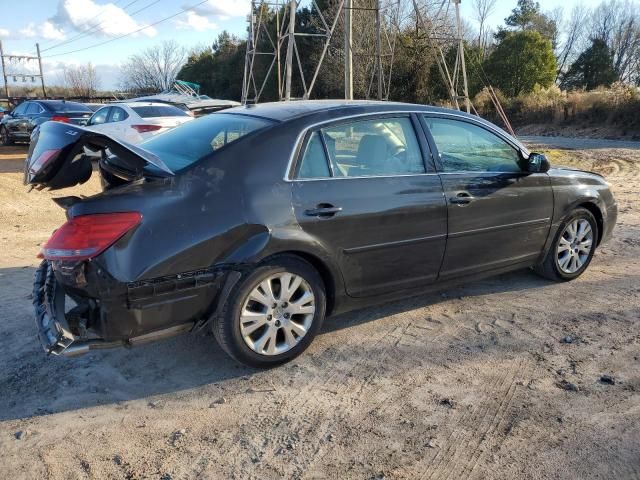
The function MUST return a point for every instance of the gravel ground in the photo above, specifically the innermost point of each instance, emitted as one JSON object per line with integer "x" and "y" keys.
{"x": 513, "y": 377}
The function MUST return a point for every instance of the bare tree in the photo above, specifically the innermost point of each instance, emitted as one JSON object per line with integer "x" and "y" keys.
{"x": 482, "y": 9}
{"x": 618, "y": 24}
{"x": 82, "y": 81}
{"x": 574, "y": 33}
{"x": 154, "y": 69}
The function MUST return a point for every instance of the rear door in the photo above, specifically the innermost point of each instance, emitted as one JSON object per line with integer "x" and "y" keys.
{"x": 367, "y": 191}
{"x": 116, "y": 122}
{"x": 499, "y": 214}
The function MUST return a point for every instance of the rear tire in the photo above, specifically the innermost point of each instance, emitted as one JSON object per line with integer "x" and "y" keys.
{"x": 568, "y": 257}
{"x": 5, "y": 138}
{"x": 273, "y": 313}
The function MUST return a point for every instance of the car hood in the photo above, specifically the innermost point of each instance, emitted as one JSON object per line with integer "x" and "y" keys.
{"x": 573, "y": 169}
{"x": 56, "y": 156}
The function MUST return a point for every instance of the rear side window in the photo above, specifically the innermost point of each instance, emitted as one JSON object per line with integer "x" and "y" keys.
{"x": 465, "y": 147}
{"x": 117, "y": 114}
{"x": 191, "y": 141}
{"x": 365, "y": 148}
{"x": 314, "y": 161}
{"x": 152, "y": 111}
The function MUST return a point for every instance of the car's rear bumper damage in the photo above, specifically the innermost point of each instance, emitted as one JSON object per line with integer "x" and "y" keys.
{"x": 112, "y": 314}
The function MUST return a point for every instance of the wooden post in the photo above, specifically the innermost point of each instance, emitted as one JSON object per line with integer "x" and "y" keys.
{"x": 4, "y": 73}
{"x": 44, "y": 91}
{"x": 289, "y": 60}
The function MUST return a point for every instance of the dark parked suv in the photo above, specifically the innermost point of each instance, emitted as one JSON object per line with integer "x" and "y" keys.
{"x": 257, "y": 222}
{"x": 18, "y": 124}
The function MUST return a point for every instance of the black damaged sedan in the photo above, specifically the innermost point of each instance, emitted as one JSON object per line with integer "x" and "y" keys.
{"x": 258, "y": 222}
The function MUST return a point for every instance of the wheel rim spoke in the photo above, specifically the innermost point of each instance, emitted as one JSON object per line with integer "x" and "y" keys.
{"x": 277, "y": 314}
{"x": 252, "y": 321}
{"x": 574, "y": 246}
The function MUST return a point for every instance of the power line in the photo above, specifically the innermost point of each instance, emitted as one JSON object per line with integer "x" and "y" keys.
{"x": 130, "y": 33}
{"x": 85, "y": 24}
{"x": 98, "y": 25}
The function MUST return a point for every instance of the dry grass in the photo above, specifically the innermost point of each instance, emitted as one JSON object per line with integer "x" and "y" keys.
{"x": 616, "y": 106}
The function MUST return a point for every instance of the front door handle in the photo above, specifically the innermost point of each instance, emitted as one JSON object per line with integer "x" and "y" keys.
{"x": 323, "y": 210}
{"x": 462, "y": 198}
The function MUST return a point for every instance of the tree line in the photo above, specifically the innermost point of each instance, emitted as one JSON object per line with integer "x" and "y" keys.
{"x": 582, "y": 49}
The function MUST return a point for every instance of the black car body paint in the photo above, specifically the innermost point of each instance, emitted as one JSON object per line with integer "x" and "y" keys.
{"x": 219, "y": 217}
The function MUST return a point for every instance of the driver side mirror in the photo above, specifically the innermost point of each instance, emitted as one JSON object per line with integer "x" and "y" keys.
{"x": 538, "y": 163}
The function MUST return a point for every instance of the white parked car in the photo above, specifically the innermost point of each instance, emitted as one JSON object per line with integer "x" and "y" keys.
{"x": 135, "y": 122}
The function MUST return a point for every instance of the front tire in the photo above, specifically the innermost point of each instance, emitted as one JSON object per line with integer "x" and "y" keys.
{"x": 572, "y": 249}
{"x": 5, "y": 138}
{"x": 273, "y": 313}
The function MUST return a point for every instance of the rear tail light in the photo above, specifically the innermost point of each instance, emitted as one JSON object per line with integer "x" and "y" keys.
{"x": 39, "y": 163}
{"x": 87, "y": 236}
{"x": 146, "y": 128}
{"x": 60, "y": 118}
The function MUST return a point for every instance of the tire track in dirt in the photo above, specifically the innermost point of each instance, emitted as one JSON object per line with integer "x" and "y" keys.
{"x": 385, "y": 358}
{"x": 460, "y": 440}
{"x": 309, "y": 421}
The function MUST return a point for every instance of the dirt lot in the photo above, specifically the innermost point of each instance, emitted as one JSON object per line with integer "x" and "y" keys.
{"x": 476, "y": 382}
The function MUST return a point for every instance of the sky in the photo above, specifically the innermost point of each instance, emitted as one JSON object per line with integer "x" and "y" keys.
{"x": 69, "y": 31}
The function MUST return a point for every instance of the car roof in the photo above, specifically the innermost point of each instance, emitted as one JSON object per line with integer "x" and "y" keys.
{"x": 283, "y": 111}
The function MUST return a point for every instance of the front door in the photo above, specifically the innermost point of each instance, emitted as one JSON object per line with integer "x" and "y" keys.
{"x": 499, "y": 214}
{"x": 363, "y": 191}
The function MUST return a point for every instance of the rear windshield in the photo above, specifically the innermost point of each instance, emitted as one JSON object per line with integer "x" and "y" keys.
{"x": 64, "y": 107}
{"x": 186, "y": 144}
{"x": 159, "y": 111}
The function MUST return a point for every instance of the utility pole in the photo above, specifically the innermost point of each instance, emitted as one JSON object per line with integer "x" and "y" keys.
{"x": 4, "y": 73}
{"x": 23, "y": 75}
{"x": 348, "y": 50}
{"x": 289, "y": 61}
{"x": 44, "y": 91}
{"x": 461, "y": 54}
{"x": 379, "y": 52}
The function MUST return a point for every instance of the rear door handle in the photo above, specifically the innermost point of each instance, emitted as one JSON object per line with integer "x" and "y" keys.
{"x": 323, "y": 210}
{"x": 462, "y": 198}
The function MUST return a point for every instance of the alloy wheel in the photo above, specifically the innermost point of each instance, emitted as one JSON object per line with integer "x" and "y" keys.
{"x": 277, "y": 314}
{"x": 574, "y": 245}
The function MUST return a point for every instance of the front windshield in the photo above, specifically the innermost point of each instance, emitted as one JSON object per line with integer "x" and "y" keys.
{"x": 188, "y": 143}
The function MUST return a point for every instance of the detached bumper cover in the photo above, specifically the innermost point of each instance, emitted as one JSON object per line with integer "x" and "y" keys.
{"x": 48, "y": 301}
{"x": 110, "y": 314}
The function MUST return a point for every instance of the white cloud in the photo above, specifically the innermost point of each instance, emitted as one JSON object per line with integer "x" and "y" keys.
{"x": 193, "y": 21}
{"x": 49, "y": 31}
{"x": 46, "y": 30}
{"x": 223, "y": 8}
{"x": 4, "y": 33}
{"x": 29, "y": 31}
{"x": 89, "y": 16}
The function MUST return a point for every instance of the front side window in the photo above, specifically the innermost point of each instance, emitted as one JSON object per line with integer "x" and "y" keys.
{"x": 364, "y": 148}
{"x": 464, "y": 147}
{"x": 20, "y": 109}
{"x": 100, "y": 116}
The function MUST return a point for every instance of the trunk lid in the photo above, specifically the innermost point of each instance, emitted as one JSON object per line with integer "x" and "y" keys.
{"x": 56, "y": 156}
